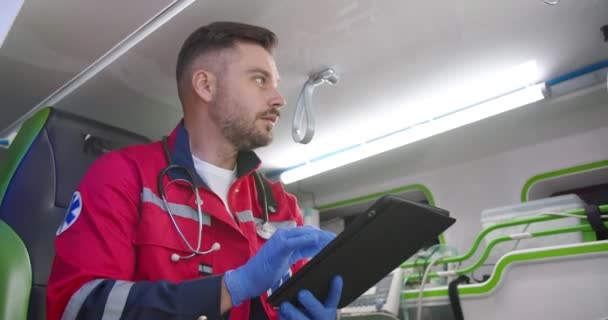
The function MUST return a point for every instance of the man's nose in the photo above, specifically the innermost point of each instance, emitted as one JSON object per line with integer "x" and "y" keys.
{"x": 277, "y": 100}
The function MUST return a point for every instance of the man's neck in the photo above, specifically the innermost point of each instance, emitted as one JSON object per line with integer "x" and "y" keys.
{"x": 208, "y": 144}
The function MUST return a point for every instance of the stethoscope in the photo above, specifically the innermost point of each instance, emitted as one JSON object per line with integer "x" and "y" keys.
{"x": 265, "y": 230}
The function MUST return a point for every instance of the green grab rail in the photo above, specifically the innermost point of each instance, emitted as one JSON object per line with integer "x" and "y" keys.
{"x": 541, "y": 217}
{"x": 498, "y": 240}
{"x": 560, "y": 173}
{"x": 417, "y": 187}
{"x": 583, "y": 168}
{"x": 492, "y": 282}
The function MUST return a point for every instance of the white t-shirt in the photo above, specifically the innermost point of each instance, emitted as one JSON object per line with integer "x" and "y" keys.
{"x": 218, "y": 179}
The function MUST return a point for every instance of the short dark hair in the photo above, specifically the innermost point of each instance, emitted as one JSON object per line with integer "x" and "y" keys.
{"x": 221, "y": 35}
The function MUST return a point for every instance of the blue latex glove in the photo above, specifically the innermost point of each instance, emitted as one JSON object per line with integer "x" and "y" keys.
{"x": 277, "y": 255}
{"x": 313, "y": 308}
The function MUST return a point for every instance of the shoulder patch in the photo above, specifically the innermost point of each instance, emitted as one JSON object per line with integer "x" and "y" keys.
{"x": 72, "y": 214}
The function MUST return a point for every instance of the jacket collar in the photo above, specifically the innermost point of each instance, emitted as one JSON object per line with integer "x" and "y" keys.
{"x": 179, "y": 143}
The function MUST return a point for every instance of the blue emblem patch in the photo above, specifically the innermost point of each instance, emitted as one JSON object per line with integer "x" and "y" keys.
{"x": 72, "y": 214}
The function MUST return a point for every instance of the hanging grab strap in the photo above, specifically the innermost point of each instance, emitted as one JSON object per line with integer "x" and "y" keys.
{"x": 595, "y": 220}
{"x": 454, "y": 298}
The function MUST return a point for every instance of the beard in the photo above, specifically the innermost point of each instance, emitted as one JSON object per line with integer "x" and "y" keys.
{"x": 239, "y": 127}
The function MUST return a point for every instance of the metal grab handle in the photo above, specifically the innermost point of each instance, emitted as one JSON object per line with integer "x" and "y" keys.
{"x": 303, "y": 116}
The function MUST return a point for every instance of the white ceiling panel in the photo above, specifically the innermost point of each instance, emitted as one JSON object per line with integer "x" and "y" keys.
{"x": 52, "y": 41}
{"x": 392, "y": 57}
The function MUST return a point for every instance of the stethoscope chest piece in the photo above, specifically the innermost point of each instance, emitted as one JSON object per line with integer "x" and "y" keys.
{"x": 265, "y": 230}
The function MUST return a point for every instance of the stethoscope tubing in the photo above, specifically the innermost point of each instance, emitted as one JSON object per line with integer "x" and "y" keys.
{"x": 199, "y": 203}
{"x": 265, "y": 230}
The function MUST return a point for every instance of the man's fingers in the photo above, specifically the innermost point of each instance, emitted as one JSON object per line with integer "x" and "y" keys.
{"x": 326, "y": 237}
{"x": 335, "y": 291}
{"x": 300, "y": 242}
{"x": 304, "y": 238}
{"x": 296, "y": 231}
{"x": 313, "y": 306}
{"x": 288, "y": 312}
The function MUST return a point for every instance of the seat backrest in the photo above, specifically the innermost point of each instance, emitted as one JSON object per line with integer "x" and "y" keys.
{"x": 43, "y": 167}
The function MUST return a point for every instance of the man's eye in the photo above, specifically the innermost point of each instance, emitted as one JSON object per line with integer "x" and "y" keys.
{"x": 260, "y": 80}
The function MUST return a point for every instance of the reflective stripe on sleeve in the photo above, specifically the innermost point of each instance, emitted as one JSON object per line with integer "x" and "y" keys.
{"x": 78, "y": 298}
{"x": 117, "y": 300}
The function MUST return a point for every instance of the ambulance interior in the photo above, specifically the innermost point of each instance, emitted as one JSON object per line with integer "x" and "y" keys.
{"x": 496, "y": 111}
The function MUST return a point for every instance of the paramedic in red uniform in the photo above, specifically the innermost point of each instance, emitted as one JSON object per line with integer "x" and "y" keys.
{"x": 133, "y": 247}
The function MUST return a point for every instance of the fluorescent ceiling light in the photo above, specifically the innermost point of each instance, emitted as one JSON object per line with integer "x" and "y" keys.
{"x": 404, "y": 109}
{"x": 441, "y": 123}
{"x": 10, "y": 9}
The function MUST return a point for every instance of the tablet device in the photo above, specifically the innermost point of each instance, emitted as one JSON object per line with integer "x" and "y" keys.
{"x": 373, "y": 245}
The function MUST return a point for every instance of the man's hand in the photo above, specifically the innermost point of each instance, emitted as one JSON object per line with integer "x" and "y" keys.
{"x": 282, "y": 250}
{"x": 313, "y": 308}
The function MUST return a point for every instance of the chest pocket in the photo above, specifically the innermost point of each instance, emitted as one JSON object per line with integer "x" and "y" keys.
{"x": 162, "y": 252}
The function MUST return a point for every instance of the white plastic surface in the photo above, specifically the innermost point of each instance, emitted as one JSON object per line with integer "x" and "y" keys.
{"x": 311, "y": 216}
{"x": 10, "y": 9}
{"x": 335, "y": 225}
{"x": 570, "y": 287}
{"x": 527, "y": 209}
{"x": 566, "y": 288}
{"x": 389, "y": 309}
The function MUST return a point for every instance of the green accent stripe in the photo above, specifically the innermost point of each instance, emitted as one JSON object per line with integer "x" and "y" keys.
{"x": 557, "y": 173}
{"x": 376, "y": 195}
{"x": 587, "y": 236}
{"x": 585, "y": 248}
{"x": 498, "y": 240}
{"x": 419, "y": 187}
{"x": 19, "y": 147}
{"x": 485, "y": 232}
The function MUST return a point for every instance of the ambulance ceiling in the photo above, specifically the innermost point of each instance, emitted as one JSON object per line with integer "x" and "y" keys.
{"x": 388, "y": 54}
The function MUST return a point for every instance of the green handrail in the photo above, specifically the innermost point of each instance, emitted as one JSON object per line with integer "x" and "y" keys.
{"x": 560, "y": 173}
{"x": 496, "y": 241}
{"x": 492, "y": 283}
{"x": 537, "y": 218}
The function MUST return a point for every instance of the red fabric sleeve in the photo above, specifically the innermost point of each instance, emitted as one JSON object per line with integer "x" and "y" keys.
{"x": 99, "y": 242}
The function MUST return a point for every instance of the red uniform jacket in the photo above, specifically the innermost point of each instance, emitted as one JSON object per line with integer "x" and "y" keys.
{"x": 113, "y": 251}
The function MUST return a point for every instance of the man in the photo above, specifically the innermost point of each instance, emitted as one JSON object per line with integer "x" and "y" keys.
{"x": 144, "y": 242}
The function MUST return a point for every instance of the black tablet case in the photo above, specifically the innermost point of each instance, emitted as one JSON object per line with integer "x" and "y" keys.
{"x": 373, "y": 245}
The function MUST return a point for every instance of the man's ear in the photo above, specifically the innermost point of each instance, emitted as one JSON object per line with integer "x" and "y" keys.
{"x": 204, "y": 84}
